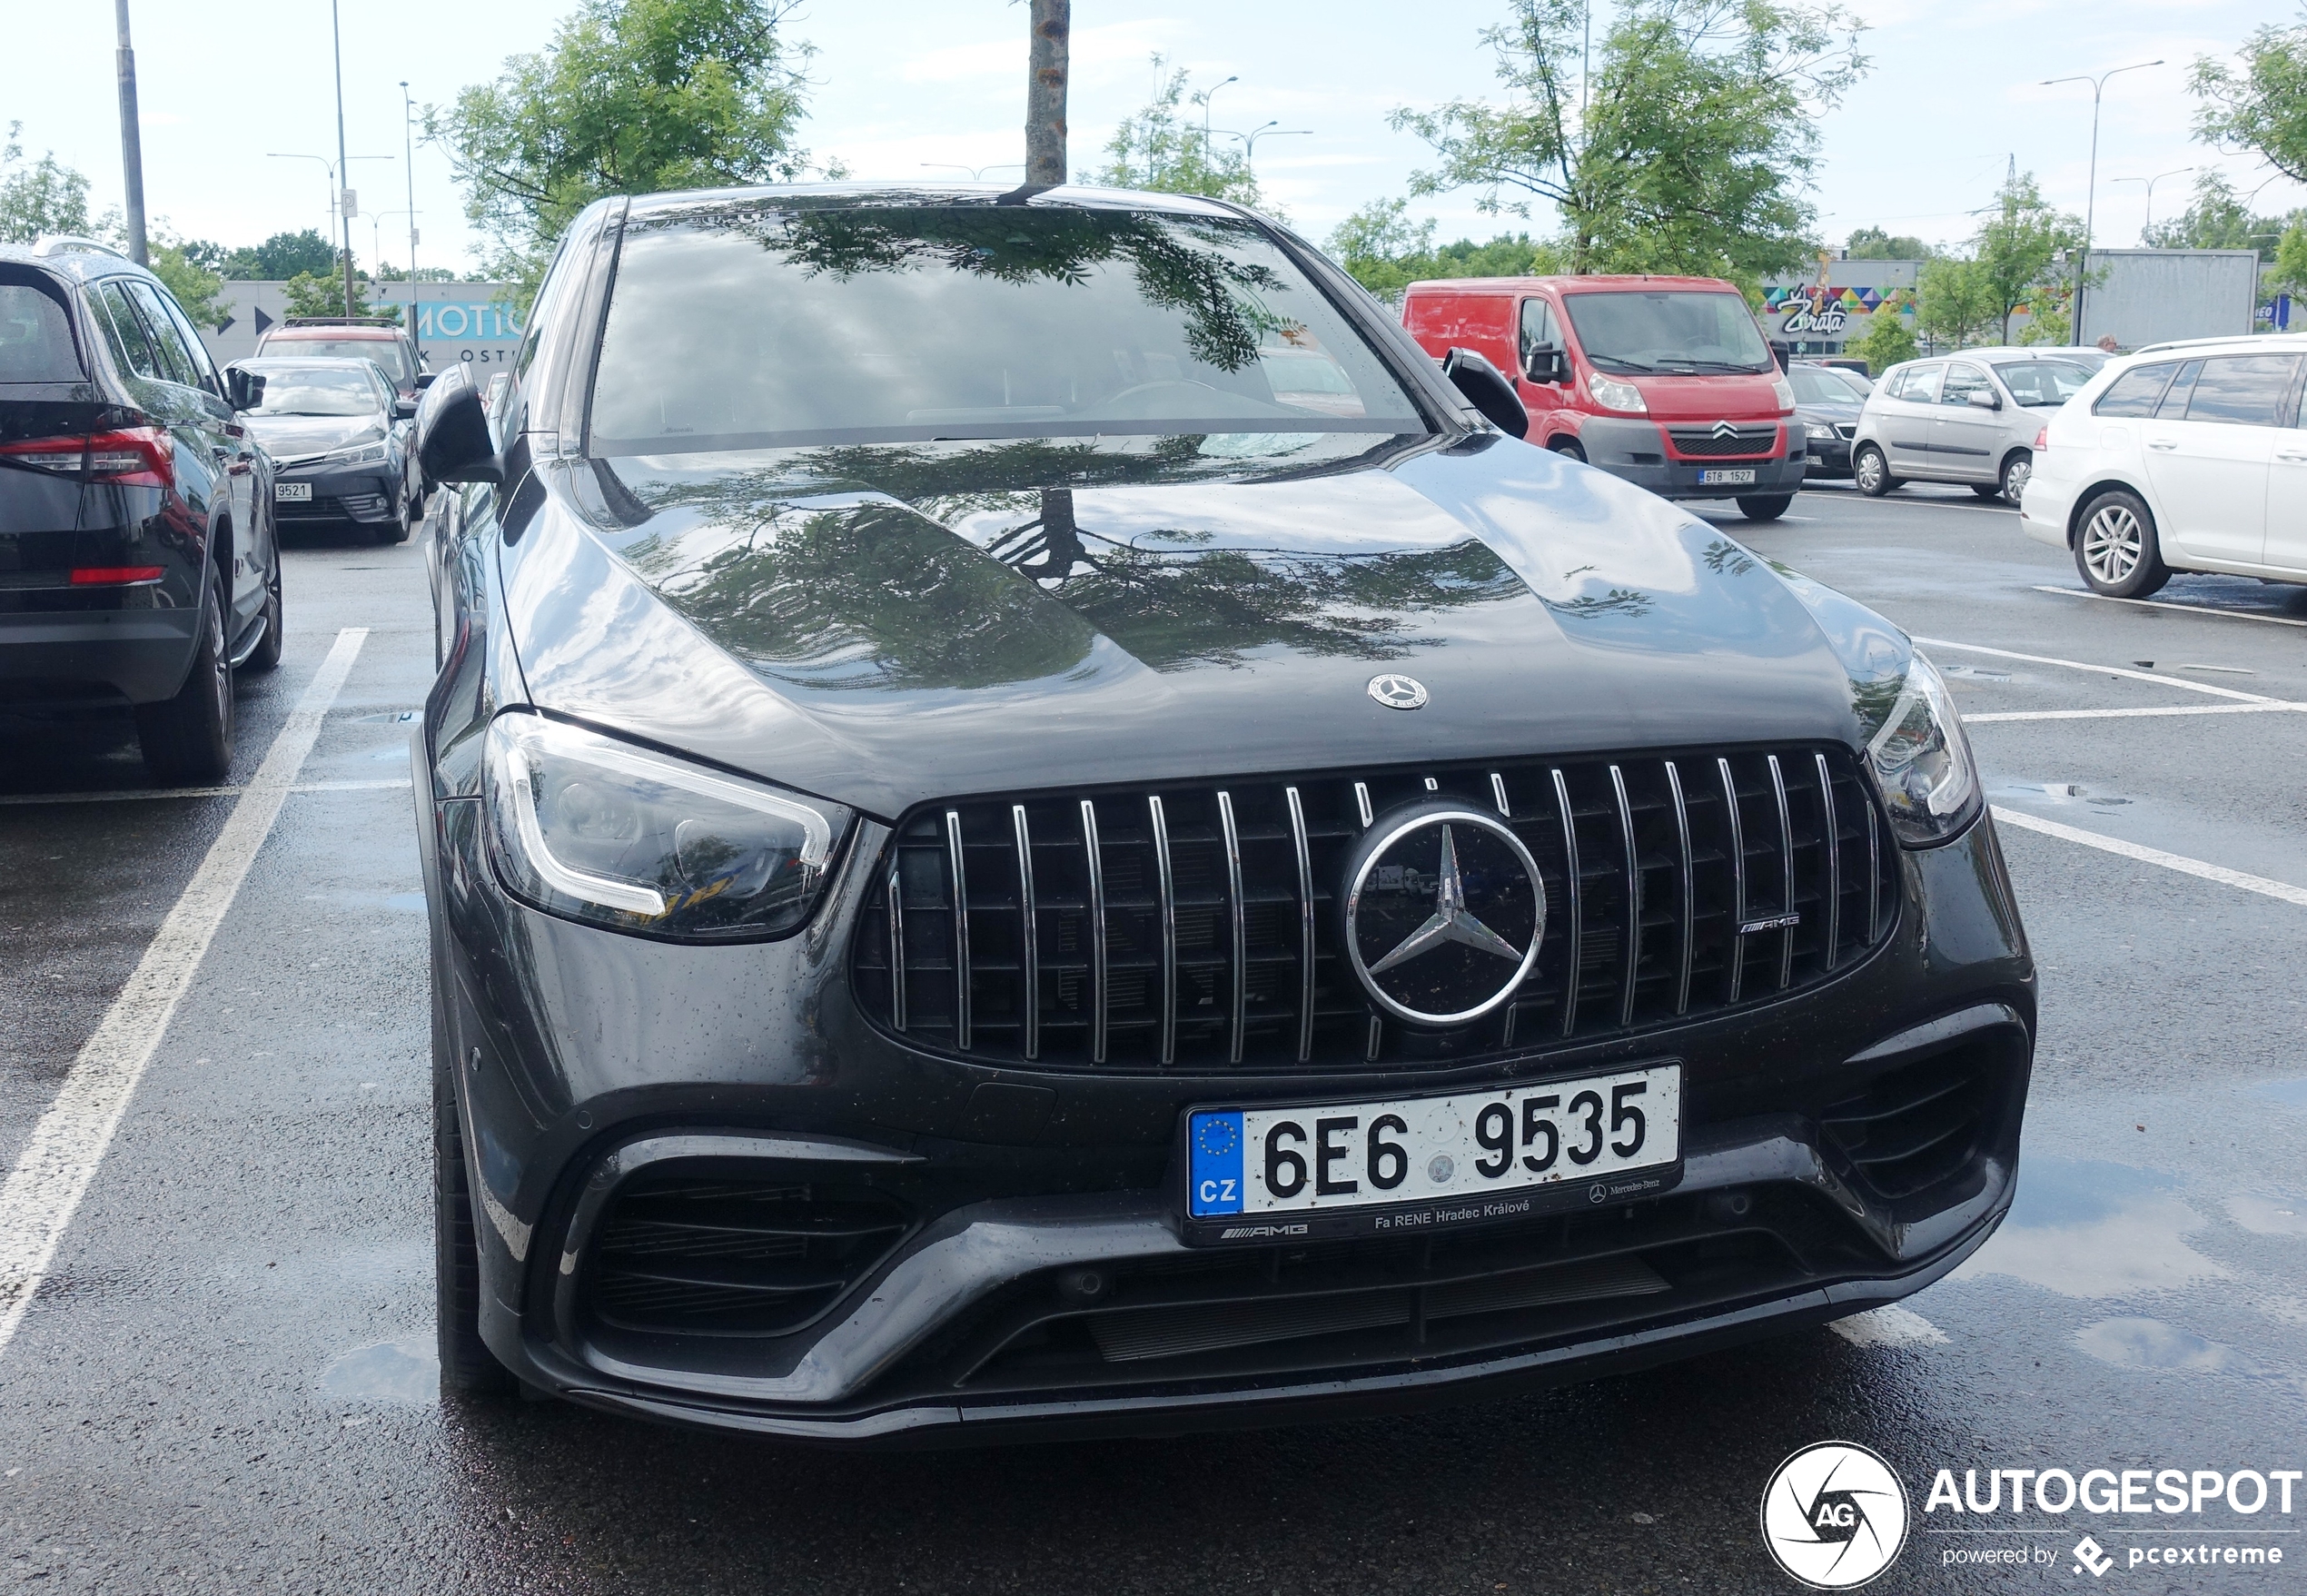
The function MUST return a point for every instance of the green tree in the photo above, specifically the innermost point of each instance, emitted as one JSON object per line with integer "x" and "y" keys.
{"x": 1872, "y": 244}
{"x": 2219, "y": 219}
{"x": 2017, "y": 244}
{"x": 1689, "y": 145}
{"x": 632, "y": 97}
{"x": 2257, "y": 101}
{"x": 47, "y": 196}
{"x": 1166, "y": 151}
{"x": 197, "y": 289}
{"x": 323, "y": 294}
{"x": 278, "y": 258}
{"x": 1384, "y": 252}
{"x": 2289, "y": 274}
{"x": 1957, "y": 303}
{"x": 1885, "y": 343}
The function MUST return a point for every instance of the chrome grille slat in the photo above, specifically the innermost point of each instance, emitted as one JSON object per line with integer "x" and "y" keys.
{"x": 1198, "y": 928}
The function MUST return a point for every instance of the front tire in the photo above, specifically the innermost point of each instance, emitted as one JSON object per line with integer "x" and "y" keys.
{"x": 468, "y": 1368}
{"x": 1569, "y": 447}
{"x": 1871, "y": 471}
{"x": 1765, "y": 506}
{"x": 2115, "y": 548}
{"x": 188, "y": 739}
{"x": 2016, "y": 470}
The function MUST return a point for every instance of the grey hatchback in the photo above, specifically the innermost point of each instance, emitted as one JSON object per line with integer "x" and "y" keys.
{"x": 1970, "y": 418}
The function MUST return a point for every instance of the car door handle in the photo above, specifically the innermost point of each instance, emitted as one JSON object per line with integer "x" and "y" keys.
{"x": 2295, "y": 456}
{"x": 2164, "y": 444}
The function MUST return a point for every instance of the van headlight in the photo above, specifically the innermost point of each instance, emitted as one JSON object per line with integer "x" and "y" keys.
{"x": 1922, "y": 762}
{"x": 594, "y": 829}
{"x": 1612, "y": 394}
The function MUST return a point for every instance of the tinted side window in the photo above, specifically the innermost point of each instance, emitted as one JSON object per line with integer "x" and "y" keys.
{"x": 204, "y": 369}
{"x": 2134, "y": 392}
{"x": 1962, "y": 381}
{"x": 1538, "y": 327}
{"x": 176, "y": 360}
{"x": 2251, "y": 390}
{"x": 2174, "y": 398}
{"x": 35, "y": 337}
{"x": 125, "y": 333}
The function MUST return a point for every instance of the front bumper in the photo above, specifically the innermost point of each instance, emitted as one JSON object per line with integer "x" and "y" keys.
{"x": 590, "y": 1065}
{"x": 363, "y": 494}
{"x": 1638, "y": 451}
{"x": 1828, "y": 458}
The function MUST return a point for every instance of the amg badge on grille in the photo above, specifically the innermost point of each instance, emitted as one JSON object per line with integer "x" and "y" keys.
{"x": 1444, "y": 912}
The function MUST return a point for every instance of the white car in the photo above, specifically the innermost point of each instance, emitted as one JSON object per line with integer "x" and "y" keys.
{"x": 2182, "y": 457}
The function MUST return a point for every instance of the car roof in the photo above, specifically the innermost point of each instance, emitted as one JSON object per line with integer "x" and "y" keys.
{"x": 382, "y": 334}
{"x": 830, "y": 197}
{"x": 2286, "y": 342}
{"x": 77, "y": 264}
{"x": 1597, "y": 284}
{"x": 278, "y": 362}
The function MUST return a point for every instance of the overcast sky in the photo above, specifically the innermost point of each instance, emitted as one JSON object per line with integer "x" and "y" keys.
{"x": 1952, "y": 95}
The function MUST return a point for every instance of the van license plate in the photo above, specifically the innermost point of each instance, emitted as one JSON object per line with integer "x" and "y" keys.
{"x": 1727, "y": 479}
{"x": 1415, "y": 1162}
{"x": 303, "y": 491}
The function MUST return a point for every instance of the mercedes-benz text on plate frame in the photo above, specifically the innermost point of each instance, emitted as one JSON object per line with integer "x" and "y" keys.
{"x": 1397, "y": 1152}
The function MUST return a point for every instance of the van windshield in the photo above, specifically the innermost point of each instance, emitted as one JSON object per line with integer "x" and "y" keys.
{"x": 1672, "y": 330}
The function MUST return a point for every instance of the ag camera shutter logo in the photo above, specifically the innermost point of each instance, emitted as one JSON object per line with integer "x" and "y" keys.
{"x": 1834, "y": 1515}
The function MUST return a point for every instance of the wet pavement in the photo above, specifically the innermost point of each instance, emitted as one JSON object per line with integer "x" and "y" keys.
{"x": 226, "y": 1383}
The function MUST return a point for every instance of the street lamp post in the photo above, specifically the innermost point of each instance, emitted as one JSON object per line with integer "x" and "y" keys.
{"x": 1271, "y": 130}
{"x": 2089, "y": 198}
{"x": 2148, "y": 226}
{"x": 1206, "y": 96}
{"x": 132, "y": 141}
{"x": 332, "y": 169}
{"x": 336, "y": 41}
{"x": 409, "y": 163}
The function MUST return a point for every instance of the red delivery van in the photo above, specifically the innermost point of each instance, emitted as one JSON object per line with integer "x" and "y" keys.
{"x": 1663, "y": 381}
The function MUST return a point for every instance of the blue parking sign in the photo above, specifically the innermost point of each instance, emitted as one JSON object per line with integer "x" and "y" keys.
{"x": 1215, "y": 1141}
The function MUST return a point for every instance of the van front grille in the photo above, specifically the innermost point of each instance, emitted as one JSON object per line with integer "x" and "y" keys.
{"x": 1199, "y": 929}
{"x": 1735, "y": 442}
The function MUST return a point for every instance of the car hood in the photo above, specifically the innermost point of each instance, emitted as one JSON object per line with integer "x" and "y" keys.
{"x": 885, "y": 626}
{"x": 1829, "y": 413}
{"x": 294, "y": 437}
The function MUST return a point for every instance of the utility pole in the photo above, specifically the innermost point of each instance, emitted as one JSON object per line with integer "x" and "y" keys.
{"x": 2091, "y": 197}
{"x": 131, "y": 143}
{"x": 1049, "y": 65}
{"x": 408, "y": 164}
{"x": 344, "y": 212}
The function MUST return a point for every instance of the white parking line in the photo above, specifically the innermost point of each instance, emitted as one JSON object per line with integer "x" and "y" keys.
{"x": 1993, "y": 716}
{"x": 2283, "y": 890}
{"x": 1889, "y": 1326}
{"x": 128, "y": 794}
{"x": 2166, "y": 604}
{"x": 59, "y": 1160}
{"x": 2177, "y": 681}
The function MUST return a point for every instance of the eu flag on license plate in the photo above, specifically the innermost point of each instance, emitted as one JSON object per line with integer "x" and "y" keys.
{"x": 1216, "y": 1142}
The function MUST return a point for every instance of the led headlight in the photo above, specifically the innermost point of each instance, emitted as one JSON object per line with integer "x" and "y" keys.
{"x": 594, "y": 829}
{"x": 1612, "y": 394}
{"x": 368, "y": 454}
{"x": 1922, "y": 761}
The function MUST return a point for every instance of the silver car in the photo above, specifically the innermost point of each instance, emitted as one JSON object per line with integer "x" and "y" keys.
{"x": 1969, "y": 417}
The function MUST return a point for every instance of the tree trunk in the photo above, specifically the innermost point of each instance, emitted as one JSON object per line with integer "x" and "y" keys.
{"x": 1050, "y": 65}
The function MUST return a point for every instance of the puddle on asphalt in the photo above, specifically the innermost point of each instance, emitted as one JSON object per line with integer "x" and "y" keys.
{"x": 408, "y": 903}
{"x": 2151, "y": 1345}
{"x": 2268, "y": 1216}
{"x": 2289, "y": 1094}
{"x": 389, "y": 717}
{"x": 404, "y": 1372}
{"x": 1975, "y": 672}
{"x": 2059, "y": 792}
{"x": 2087, "y": 1228}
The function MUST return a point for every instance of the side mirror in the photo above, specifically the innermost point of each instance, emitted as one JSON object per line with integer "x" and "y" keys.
{"x": 1782, "y": 352}
{"x": 424, "y": 380}
{"x": 1543, "y": 363}
{"x": 1488, "y": 391}
{"x": 403, "y": 409}
{"x": 1985, "y": 399}
{"x": 244, "y": 389}
{"x": 454, "y": 443}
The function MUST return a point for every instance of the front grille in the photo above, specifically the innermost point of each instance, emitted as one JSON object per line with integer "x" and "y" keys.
{"x": 1199, "y": 929}
{"x": 350, "y": 507}
{"x": 1706, "y": 443}
{"x": 1846, "y": 431}
{"x": 720, "y": 1257}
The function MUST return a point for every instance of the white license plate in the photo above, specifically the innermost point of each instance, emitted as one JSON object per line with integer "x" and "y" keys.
{"x": 1727, "y": 479}
{"x": 292, "y": 490}
{"x": 1469, "y": 1149}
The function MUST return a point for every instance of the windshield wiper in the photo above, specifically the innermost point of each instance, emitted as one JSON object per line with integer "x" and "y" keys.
{"x": 1620, "y": 362}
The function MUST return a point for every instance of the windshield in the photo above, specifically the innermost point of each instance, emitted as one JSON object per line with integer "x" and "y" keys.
{"x": 1673, "y": 330}
{"x": 751, "y": 326}
{"x": 1813, "y": 386}
{"x": 386, "y": 352}
{"x": 2042, "y": 382}
{"x": 317, "y": 391}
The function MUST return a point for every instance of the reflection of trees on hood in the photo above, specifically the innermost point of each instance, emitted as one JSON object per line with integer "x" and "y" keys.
{"x": 1183, "y": 264}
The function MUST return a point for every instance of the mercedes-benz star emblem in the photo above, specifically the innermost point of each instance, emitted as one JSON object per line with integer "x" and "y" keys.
{"x": 1444, "y": 912}
{"x": 1398, "y": 692}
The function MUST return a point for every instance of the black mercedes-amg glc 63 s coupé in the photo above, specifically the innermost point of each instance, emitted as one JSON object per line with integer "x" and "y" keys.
{"x": 1034, "y": 821}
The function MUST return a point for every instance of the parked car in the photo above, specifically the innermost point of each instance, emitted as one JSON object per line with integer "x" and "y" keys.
{"x": 1827, "y": 408}
{"x": 338, "y": 435}
{"x": 2190, "y": 459}
{"x": 1970, "y": 418}
{"x": 1664, "y": 382}
{"x": 138, "y": 560}
{"x": 352, "y": 338}
{"x": 993, "y": 869}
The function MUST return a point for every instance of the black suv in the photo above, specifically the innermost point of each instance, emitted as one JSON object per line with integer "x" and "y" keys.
{"x": 138, "y": 562}
{"x": 1030, "y": 820}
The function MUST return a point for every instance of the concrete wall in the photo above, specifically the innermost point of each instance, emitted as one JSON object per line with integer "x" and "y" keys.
{"x": 451, "y": 321}
{"x": 2150, "y": 295}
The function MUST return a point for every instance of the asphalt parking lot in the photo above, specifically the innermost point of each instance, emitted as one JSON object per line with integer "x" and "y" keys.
{"x": 222, "y": 1382}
